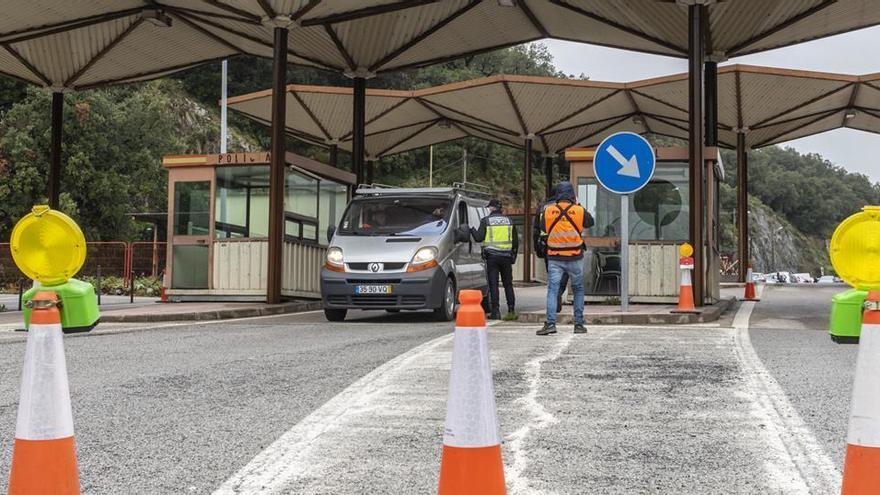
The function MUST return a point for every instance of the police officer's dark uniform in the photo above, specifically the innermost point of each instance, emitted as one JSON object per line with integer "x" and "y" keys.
{"x": 500, "y": 247}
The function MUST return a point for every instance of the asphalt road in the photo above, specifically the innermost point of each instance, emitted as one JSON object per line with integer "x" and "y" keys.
{"x": 179, "y": 409}
{"x": 789, "y": 331}
{"x": 358, "y": 407}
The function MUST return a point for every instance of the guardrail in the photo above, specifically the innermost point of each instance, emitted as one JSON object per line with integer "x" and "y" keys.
{"x": 125, "y": 260}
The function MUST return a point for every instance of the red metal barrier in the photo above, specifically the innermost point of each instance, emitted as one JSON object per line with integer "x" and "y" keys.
{"x": 116, "y": 258}
{"x": 9, "y": 273}
{"x": 147, "y": 259}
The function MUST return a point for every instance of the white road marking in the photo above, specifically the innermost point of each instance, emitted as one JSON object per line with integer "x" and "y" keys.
{"x": 538, "y": 417}
{"x": 271, "y": 470}
{"x": 786, "y": 431}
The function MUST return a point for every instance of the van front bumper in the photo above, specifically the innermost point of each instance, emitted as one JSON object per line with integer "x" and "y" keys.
{"x": 418, "y": 290}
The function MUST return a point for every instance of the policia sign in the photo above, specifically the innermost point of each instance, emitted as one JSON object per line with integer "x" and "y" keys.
{"x": 624, "y": 163}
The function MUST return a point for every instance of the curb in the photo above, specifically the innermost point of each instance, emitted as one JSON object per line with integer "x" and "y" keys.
{"x": 709, "y": 314}
{"x": 222, "y": 314}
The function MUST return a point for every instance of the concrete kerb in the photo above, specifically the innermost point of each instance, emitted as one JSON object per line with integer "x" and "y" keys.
{"x": 706, "y": 315}
{"x": 222, "y": 314}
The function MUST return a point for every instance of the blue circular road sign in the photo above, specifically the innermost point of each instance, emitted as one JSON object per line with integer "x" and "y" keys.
{"x": 624, "y": 162}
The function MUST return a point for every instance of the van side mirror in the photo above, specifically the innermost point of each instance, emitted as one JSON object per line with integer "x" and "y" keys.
{"x": 462, "y": 234}
{"x": 331, "y": 230}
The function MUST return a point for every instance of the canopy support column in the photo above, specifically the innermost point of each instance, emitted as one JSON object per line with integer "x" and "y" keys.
{"x": 371, "y": 169}
{"x": 54, "y": 185}
{"x": 276, "y": 167}
{"x": 742, "y": 204}
{"x": 696, "y": 56}
{"x": 526, "y": 248}
{"x": 334, "y": 155}
{"x": 711, "y": 103}
{"x": 548, "y": 175}
{"x": 358, "y": 128}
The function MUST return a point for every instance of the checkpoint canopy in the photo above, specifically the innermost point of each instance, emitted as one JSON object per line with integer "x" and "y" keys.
{"x": 76, "y": 45}
{"x": 768, "y": 105}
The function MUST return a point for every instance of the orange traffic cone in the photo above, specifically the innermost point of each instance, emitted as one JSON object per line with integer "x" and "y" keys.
{"x": 686, "y": 291}
{"x": 471, "y": 463}
{"x": 750, "y": 294}
{"x": 861, "y": 471}
{"x": 44, "y": 454}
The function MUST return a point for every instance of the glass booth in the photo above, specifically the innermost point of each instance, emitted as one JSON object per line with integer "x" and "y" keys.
{"x": 659, "y": 218}
{"x": 219, "y": 221}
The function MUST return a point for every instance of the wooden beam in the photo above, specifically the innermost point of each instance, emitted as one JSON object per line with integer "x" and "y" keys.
{"x": 422, "y": 36}
{"x": 405, "y": 139}
{"x": 620, "y": 27}
{"x": 789, "y": 131}
{"x": 340, "y": 47}
{"x": 379, "y": 116}
{"x": 465, "y": 114}
{"x": 660, "y": 101}
{"x": 516, "y": 109}
{"x": 98, "y": 56}
{"x": 305, "y": 10}
{"x": 311, "y": 115}
{"x": 739, "y": 104}
{"x": 852, "y": 101}
{"x": 375, "y": 10}
{"x": 534, "y": 19}
{"x": 270, "y": 12}
{"x": 230, "y": 8}
{"x": 737, "y": 50}
{"x": 578, "y": 111}
{"x": 61, "y": 27}
{"x": 637, "y": 110}
{"x": 25, "y": 62}
{"x": 804, "y": 104}
{"x": 595, "y": 133}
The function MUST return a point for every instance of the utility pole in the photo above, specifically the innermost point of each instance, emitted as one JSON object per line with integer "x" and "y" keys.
{"x": 464, "y": 165}
{"x": 431, "y": 166}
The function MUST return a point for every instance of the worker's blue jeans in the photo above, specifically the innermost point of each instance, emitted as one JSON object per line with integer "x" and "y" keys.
{"x": 575, "y": 271}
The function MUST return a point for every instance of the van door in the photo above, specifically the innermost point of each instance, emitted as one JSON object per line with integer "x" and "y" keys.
{"x": 465, "y": 268}
{"x": 476, "y": 214}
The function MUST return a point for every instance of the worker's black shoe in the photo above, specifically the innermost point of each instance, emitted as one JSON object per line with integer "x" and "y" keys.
{"x": 579, "y": 328}
{"x": 495, "y": 315}
{"x": 549, "y": 328}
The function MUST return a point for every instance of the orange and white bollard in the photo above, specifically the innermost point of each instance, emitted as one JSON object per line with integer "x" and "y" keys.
{"x": 861, "y": 470}
{"x": 750, "y": 294}
{"x": 471, "y": 462}
{"x": 44, "y": 454}
{"x": 686, "y": 290}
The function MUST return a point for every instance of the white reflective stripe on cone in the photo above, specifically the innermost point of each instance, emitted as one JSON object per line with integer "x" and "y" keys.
{"x": 470, "y": 410}
{"x": 44, "y": 411}
{"x": 864, "y": 426}
{"x": 686, "y": 277}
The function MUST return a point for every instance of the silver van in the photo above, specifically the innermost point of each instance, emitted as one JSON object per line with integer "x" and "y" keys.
{"x": 404, "y": 249}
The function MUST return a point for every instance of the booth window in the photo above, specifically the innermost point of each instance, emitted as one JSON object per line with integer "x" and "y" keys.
{"x": 658, "y": 212}
{"x": 192, "y": 208}
{"x": 301, "y": 207}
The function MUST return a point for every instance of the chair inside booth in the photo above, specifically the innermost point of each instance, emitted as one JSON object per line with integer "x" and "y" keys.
{"x": 658, "y": 214}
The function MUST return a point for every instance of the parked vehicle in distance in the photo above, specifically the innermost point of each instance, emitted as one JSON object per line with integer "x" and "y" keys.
{"x": 759, "y": 277}
{"x": 803, "y": 278}
{"x": 404, "y": 249}
{"x": 827, "y": 279}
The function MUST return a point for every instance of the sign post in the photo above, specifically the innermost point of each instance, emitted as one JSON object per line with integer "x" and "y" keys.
{"x": 624, "y": 164}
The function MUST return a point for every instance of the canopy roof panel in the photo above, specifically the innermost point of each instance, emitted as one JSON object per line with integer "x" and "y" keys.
{"x": 85, "y": 43}
{"x": 769, "y": 105}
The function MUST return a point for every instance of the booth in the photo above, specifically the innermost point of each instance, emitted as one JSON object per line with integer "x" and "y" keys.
{"x": 659, "y": 219}
{"x": 218, "y": 218}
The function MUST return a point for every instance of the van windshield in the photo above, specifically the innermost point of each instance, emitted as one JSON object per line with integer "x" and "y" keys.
{"x": 396, "y": 216}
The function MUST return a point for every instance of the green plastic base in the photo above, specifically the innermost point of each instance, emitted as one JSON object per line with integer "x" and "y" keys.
{"x": 846, "y": 315}
{"x": 79, "y": 305}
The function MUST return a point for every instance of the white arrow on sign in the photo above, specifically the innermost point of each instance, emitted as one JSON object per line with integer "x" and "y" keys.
{"x": 629, "y": 168}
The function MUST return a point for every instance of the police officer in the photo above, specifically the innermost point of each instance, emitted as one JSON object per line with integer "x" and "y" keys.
{"x": 500, "y": 246}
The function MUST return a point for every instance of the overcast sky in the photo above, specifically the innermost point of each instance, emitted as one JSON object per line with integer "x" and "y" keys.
{"x": 851, "y": 53}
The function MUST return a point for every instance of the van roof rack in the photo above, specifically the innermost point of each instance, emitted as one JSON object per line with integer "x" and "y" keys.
{"x": 473, "y": 188}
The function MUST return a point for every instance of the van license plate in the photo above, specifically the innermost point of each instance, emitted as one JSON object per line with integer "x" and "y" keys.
{"x": 373, "y": 289}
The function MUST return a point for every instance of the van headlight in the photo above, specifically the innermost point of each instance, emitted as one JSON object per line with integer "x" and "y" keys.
{"x": 424, "y": 259}
{"x": 335, "y": 260}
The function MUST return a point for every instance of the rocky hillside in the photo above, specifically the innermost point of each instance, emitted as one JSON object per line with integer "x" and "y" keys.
{"x": 776, "y": 245}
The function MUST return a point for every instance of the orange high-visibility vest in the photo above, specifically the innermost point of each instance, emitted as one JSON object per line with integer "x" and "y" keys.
{"x": 564, "y": 231}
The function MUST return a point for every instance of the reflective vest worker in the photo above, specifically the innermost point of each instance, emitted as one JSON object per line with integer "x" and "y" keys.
{"x": 565, "y": 223}
{"x": 500, "y": 246}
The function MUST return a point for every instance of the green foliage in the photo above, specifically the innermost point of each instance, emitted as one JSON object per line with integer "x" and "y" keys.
{"x": 143, "y": 286}
{"x": 809, "y": 191}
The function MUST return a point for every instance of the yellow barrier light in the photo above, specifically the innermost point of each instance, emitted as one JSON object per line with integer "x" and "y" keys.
{"x": 686, "y": 250}
{"x": 48, "y": 246}
{"x": 855, "y": 249}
